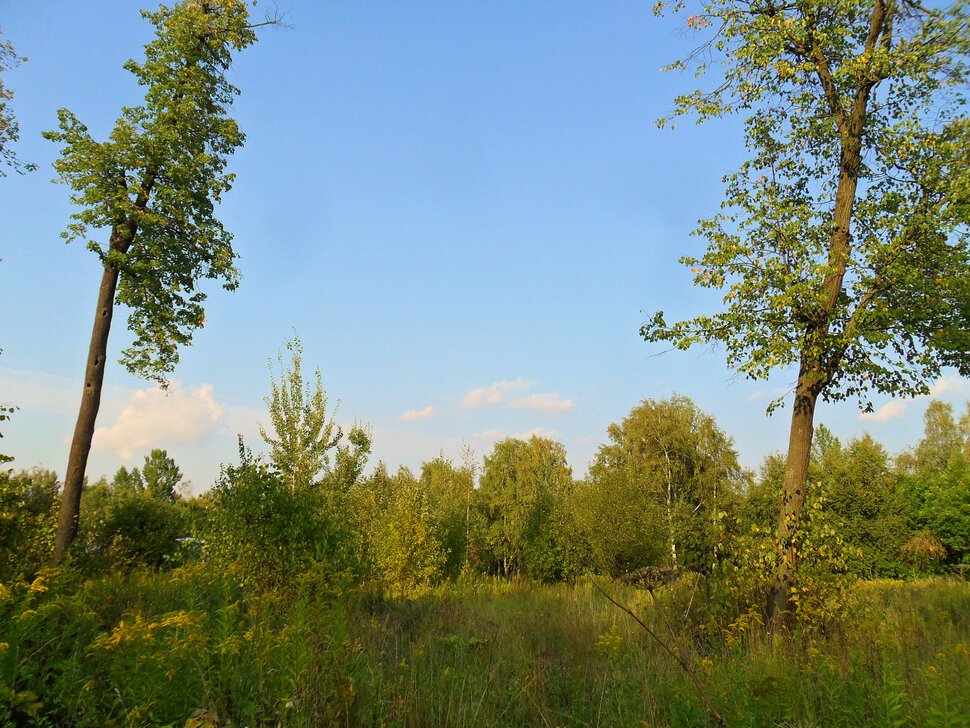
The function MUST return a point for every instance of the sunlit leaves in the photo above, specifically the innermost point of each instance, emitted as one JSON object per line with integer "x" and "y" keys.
{"x": 155, "y": 181}
{"x": 818, "y": 89}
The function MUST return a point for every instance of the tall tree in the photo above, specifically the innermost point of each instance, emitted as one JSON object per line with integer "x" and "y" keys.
{"x": 153, "y": 185}
{"x": 843, "y": 238}
{"x": 523, "y": 485}
{"x": 942, "y": 441}
{"x": 450, "y": 490}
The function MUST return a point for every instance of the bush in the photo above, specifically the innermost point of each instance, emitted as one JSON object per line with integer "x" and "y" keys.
{"x": 821, "y": 583}
{"x": 28, "y": 523}
{"x": 924, "y": 551}
{"x": 268, "y": 533}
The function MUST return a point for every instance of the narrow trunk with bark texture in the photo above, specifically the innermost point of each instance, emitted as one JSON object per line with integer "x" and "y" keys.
{"x": 77, "y": 460}
{"x": 815, "y": 372}
{"x": 90, "y": 403}
{"x": 793, "y": 497}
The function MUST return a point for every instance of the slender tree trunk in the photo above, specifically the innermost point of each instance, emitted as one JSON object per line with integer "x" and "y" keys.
{"x": 793, "y": 495}
{"x": 90, "y": 403}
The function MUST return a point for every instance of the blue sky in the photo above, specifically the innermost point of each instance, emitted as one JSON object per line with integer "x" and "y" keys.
{"x": 465, "y": 211}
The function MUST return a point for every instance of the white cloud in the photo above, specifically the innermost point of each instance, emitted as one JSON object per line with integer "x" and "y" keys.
{"x": 488, "y": 435}
{"x": 755, "y": 396}
{"x": 153, "y": 417}
{"x": 889, "y": 411}
{"x": 417, "y": 415}
{"x": 536, "y": 432}
{"x": 41, "y": 392}
{"x": 950, "y": 385}
{"x": 551, "y": 402}
{"x": 494, "y": 393}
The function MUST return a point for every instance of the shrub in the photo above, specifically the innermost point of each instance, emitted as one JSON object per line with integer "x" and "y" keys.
{"x": 268, "y": 533}
{"x": 924, "y": 551}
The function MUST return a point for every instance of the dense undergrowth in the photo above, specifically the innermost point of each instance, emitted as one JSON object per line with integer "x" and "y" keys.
{"x": 192, "y": 647}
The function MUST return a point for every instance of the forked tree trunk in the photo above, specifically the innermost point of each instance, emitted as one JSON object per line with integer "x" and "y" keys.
{"x": 90, "y": 403}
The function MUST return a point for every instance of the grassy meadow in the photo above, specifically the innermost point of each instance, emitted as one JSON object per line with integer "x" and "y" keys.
{"x": 191, "y": 647}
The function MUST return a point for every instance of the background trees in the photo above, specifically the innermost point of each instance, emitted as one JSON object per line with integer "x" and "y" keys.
{"x": 935, "y": 478}
{"x": 305, "y": 433}
{"x": 842, "y": 244}
{"x": 520, "y": 509}
{"x": 154, "y": 184}
{"x": 664, "y": 482}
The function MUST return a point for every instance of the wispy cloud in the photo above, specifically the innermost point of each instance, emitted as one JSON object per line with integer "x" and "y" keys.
{"x": 153, "y": 417}
{"x": 950, "y": 385}
{"x": 494, "y": 393}
{"x": 889, "y": 411}
{"x": 417, "y": 415}
{"x": 536, "y": 432}
{"x": 486, "y": 437}
{"x": 755, "y": 396}
{"x": 551, "y": 402}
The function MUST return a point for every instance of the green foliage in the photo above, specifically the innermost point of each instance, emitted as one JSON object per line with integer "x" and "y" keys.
{"x": 449, "y": 491}
{"x": 190, "y": 647}
{"x": 9, "y": 129}
{"x": 304, "y": 432}
{"x": 945, "y": 509}
{"x": 664, "y": 484}
{"x": 162, "y": 476}
{"x": 853, "y": 118}
{"x": 156, "y": 180}
{"x": 266, "y": 533}
{"x": 762, "y": 499}
{"x": 521, "y": 522}
{"x": 935, "y": 478}
{"x": 822, "y": 575}
{"x": 127, "y": 481}
{"x": 942, "y": 441}
{"x": 398, "y": 532}
{"x": 923, "y": 551}
{"x": 350, "y": 460}
{"x": 127, "y": 526}
{"x": 867, "y": 507}
{"x": 28, "y": 522}
{"x": 138, "y": 529}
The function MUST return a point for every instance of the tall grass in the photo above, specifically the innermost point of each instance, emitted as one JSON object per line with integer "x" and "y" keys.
{"x": 192, "y": 647}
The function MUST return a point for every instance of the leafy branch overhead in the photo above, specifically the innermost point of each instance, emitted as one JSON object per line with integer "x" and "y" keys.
{"x": 833, "y": 94}
{"x": 155, "y": 182}
{"x": 9, "y": 128}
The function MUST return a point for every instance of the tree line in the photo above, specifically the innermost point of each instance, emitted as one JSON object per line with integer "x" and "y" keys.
{"x": 665, "y": 492}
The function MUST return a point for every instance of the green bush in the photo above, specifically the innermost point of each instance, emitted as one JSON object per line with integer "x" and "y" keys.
{"x": 267, "y": 533}
{"x": 28, "y": 523}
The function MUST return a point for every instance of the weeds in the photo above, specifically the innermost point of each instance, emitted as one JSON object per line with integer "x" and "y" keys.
{"x": 193, "y": 647}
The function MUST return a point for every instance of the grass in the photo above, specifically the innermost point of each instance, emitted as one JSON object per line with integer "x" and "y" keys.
{"x": 190, "y": 647}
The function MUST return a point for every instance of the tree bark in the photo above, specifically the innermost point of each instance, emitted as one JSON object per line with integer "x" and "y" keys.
{"x": 793, "y": 496}
{"x": 90, "y": 404}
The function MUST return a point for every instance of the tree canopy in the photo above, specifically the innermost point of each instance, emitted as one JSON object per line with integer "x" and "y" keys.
{"x": 842, "y": 242}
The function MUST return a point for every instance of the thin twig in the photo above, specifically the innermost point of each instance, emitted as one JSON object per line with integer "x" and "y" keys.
{"x": 666, "y": 648}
